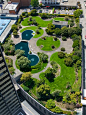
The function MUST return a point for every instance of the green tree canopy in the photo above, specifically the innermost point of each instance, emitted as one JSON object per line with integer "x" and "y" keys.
{"x": 50, "y": 104}
{"x": 33, "y": 12}
{"x": 68, "y": 61}
{"x": 57, "y": 31}
{"x": 43, "y": 91}
{"x": 64, "y": 31}
{"x": 19, "y": 53}
{"x": 77, "y": 13}
{"x": 58, "y": 110}
{"x": 23, "y": 63}
{"x": 26, "y": 76}
{"x": 34, "y": 3}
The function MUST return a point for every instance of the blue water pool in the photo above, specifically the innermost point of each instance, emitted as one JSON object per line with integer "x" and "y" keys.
{"x": 32, "y": 57}
{"x": 3, "y": 24}
{"x": 27, "y": 34}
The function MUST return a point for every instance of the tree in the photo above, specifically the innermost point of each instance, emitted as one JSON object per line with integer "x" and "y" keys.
{"x": 33, "y": 12}
{"x": 50, "y": 104}
{"x": 77, "y": 13}
{"x": 68, "y": 61}
{"x": 58, "y": 110}
{"x": 43, "y": 57}
{"x": 56, "y": 93}
{"x": 19, "y": 53}
{"x": 61, "y": 54}
{"x": 64, "y": 38}
{"x": 75, "y": 43}
{"x": 23, "y": 63}
{"x": 75, "y": 58}
{"x": 26, "y": 76}
{"x": 14, "y": 27}
{"x": 62, "y": 49}
{"x": 66, "y": 18}
{"x": 49, "y": 74}
{"x": 43, "y": 15}
{"x": 50, "y": 29}
{"x": 15, "y": 33}
{"x": 34, "y": 3}
{"x": 64, "y": 31}
{"x": 43, "y": 91}
{"x": 57, "y": 32}
{"x": 37, "y": 31}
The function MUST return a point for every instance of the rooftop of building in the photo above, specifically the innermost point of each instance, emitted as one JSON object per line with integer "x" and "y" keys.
{"x": 11, "y": 6}
{"x": 60, "y": 22}
{"x": 68, "y": 2}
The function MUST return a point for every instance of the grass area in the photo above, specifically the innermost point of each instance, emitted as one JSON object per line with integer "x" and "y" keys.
{"x": 36, "y": 68}
{"x": 59, "y": 18}
{"x": 41, "y": 22}
{"x": 48, "y": 43}
{"x": 67, "y": 75}
{"x": 34, "y": 29}
{"x": 77, "y": 85}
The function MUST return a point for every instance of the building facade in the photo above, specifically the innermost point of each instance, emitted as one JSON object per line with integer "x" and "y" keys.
{"x": 9, "y": 101}
{"x": 22, "y": 3}
{"x": 48, "y": 1}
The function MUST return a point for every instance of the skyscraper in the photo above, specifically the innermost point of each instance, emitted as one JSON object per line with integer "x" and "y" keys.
{"x": 9, "y": 100}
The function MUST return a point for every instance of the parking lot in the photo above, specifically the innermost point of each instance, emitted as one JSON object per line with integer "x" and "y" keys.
{"x": 57, "y": 11}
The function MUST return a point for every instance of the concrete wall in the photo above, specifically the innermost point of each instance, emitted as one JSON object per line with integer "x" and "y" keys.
{"x": 35, "y": 104}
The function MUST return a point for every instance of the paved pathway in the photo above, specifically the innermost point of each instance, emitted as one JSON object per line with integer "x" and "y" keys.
{"x": 34, "y": 48}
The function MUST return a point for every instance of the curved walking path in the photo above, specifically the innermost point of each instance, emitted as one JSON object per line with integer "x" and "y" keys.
{"x": 34, "y": 48}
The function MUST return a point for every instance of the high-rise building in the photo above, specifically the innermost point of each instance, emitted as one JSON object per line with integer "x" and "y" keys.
{"x": 9, "y": 100}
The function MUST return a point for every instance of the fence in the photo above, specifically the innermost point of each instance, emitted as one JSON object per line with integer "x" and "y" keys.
{"x": 36, "y": 104}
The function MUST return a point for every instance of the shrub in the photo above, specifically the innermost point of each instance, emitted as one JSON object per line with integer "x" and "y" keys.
{"x": 66, "y": 18}
{"x": 75, "y": 43}
{"x": 33, "y": 12}
{"x": 25, "y": 87}
{"x": 30, "y": 18}
{"x": 64, "y": 38}
{"x": 44, "y": 15}
{"x": 62, "y": 49}
{"x": 58, "y": 110}
{"x": 11, "y": 70}
{"x": 61, "y": 54}
{"x": 68, "y": 61}
{"x": 55, "y": 38}
{"x": 37, "y": 31}
{"x": 53, "y": 47}
{"x": 50, "y": 104}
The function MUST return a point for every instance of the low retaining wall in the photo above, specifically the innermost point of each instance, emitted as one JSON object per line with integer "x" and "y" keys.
{"x": 36, "y": 104}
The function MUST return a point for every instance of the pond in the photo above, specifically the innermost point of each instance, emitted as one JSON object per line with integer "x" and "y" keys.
{"x": 25, "y": 46}
{"x": 27, "y": 34}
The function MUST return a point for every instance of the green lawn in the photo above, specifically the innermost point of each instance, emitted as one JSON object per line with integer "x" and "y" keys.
{"x": 48, "y": 43}
{"x": 34, "y": 29}
{"x": 67, "y": 75}
{"x": 41, "y": 22}
{"x": 61, "y": 19}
